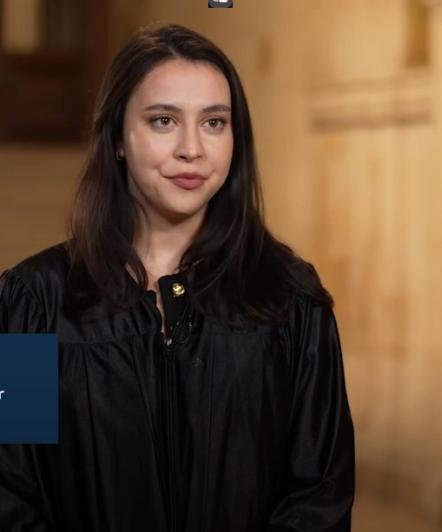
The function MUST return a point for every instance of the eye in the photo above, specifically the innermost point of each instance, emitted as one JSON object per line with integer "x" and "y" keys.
{"x": 216, "y": 121}
{"x": 164, "y": 120}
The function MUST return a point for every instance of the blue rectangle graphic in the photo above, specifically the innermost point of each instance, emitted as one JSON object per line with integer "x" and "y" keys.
{"x": 28, "y": 388}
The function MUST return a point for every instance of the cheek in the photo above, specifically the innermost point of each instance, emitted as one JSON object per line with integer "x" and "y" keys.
{"x": 224, "y": 156}
{"x": 221, "y": 153}
{"x": 147, "y": 149}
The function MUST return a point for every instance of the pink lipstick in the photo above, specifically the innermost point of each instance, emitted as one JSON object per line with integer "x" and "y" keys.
{"x": 188, "y": 181}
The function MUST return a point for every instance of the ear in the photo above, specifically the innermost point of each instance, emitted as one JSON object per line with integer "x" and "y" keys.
{"x": 120, "y": 152}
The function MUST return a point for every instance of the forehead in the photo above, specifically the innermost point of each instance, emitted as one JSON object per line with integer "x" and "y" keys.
{"x": 179, "y": 80}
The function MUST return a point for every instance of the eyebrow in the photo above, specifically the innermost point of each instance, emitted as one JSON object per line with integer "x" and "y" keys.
{"x": 219, "y": 107}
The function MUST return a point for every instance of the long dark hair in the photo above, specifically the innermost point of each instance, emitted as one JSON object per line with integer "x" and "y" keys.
{"x": 234, "y": 266}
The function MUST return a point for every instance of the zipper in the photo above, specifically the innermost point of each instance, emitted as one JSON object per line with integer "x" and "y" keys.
{"x": 169, "y": 359}
{"x": 168, "y": 346}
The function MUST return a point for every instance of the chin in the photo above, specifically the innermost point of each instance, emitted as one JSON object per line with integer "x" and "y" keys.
{"x": 180, "y": 214}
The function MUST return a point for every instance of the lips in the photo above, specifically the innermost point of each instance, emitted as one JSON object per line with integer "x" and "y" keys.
{"x": 188, "y": 181}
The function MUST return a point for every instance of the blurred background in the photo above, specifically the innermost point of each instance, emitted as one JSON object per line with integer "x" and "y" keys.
{"x": 346, "y": 102}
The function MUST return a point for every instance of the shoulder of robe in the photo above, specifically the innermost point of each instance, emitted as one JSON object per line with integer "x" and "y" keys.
{"x": 40, "y": 276}
{"x": 303, "y": 306}
{"x": 309, "y": 322}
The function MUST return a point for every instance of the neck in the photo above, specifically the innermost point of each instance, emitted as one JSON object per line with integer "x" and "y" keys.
{"x": 161, "y": 243}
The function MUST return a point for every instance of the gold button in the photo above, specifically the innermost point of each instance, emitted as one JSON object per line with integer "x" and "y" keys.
{"x": 178, "y": 290}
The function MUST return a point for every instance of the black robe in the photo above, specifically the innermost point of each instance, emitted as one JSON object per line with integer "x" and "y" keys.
{"x": 218, "y": 429}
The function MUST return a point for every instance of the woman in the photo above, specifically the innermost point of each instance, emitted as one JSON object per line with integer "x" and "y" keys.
{"x": 201, "y": 377}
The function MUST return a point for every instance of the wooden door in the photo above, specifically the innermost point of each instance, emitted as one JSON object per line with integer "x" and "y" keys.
{"x": 49, "y": 78}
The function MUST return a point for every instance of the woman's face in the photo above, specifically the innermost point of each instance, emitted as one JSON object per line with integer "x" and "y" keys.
{"x": 176, "y": 121}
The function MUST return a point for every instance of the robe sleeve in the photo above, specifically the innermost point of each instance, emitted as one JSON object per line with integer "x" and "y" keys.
{"x": 318, "y": 490}
{"x": 22, "y": 505}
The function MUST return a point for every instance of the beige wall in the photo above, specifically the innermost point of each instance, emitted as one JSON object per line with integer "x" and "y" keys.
{"x": 374, "y": 130}
{"x": 20, "y": 25}
{"x": 36, "y": 189}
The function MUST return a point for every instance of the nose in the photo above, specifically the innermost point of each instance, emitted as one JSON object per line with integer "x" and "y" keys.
{"x": 189, "y": 145}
